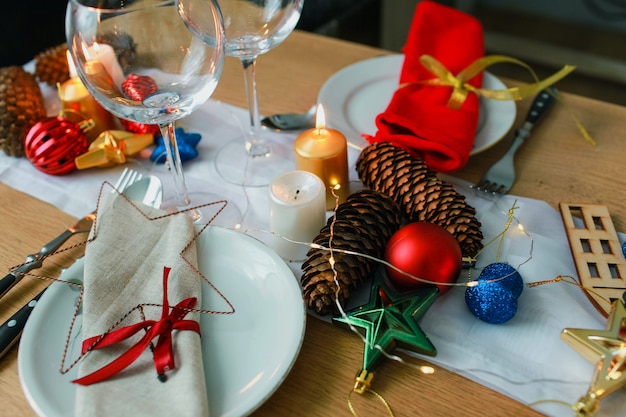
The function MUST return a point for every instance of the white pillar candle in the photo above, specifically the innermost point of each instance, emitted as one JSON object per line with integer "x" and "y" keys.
{"x": 297, "y": 212}
{"x": 105, "y": 55}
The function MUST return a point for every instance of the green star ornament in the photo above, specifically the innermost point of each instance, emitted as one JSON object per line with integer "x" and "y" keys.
{"x": 390, "y": 319}
{"x": 605, "y": 348}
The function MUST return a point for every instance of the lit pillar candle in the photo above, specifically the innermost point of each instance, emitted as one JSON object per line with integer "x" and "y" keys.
{"x": 297, "y": 212}
{"x": 76, "y": 100}
{"x": 324, "y": 152}
{"x": 105, "y": 55}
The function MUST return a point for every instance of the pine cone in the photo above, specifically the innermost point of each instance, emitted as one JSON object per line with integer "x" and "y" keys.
{"x": 51, "y": 65}
{"x": 123, "y": 45}
{"x": 364, "y": 224}
{"x": 421, "y": 195}
{"x": 21, "y": 106}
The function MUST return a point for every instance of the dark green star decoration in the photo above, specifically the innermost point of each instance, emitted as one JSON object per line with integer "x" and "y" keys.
{"x": 389, "y": 320}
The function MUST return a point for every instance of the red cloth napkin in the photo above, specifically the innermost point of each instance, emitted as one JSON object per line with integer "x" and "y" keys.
{"x": 417, "y": 117}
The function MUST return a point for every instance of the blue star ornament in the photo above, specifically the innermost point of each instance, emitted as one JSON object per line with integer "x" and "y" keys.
{"x": 389, "y": 320}
{"x": 187, "y": 143}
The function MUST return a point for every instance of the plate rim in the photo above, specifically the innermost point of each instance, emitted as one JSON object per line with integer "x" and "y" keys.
{"x": 298, "y": 332}
{"x": 390, "y": 65}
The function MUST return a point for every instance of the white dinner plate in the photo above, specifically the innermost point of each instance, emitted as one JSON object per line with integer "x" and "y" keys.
{"x": 249, "y": 353}
{"x": 355, "y": 95}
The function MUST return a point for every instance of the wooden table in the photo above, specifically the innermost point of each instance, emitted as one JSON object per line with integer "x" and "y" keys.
{"x": 556, "y": 165}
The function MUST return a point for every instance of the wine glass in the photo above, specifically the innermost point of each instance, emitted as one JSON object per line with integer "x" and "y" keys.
{"x": 140, "y": 62}
{"x": 252, "y": 28}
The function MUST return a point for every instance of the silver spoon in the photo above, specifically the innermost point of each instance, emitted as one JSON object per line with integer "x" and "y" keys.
{"x": 291, "y": 121}
{"x": 148, "y": 190}
{"x": 296, "y": 121}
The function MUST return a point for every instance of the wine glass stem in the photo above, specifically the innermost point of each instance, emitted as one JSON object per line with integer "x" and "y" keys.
{"x": 175, "y": 164}
{"x": 254, "y": 146}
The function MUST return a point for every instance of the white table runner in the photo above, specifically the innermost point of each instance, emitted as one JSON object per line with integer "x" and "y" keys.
{"x": 524, "y": 358}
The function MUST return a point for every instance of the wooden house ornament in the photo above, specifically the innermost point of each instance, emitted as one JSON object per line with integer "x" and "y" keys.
{"x": 597, "y": 253}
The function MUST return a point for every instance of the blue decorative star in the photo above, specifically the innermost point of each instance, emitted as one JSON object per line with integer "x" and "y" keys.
{"x": 187, "y": 143}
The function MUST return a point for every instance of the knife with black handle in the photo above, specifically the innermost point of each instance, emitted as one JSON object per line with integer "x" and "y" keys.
{"x": 11, "y": 330}
{"x": 538, "y": 109}
{"x": 35, "y": 260}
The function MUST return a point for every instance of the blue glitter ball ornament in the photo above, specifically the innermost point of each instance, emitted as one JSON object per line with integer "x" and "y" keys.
{"x": 624, "y": 249}
{"x": 495, "y": 302}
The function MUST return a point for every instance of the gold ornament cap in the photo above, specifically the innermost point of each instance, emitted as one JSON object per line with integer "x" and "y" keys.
{"x": 363, "y": 381}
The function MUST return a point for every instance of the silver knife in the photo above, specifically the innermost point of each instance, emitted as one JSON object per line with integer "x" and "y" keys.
{"x": 36, "y": 260}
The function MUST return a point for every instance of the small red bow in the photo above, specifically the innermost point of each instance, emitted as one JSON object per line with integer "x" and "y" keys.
{"x": 163, "y": 351}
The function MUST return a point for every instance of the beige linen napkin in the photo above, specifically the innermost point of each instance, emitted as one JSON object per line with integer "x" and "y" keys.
{"x": 123, "y": 268}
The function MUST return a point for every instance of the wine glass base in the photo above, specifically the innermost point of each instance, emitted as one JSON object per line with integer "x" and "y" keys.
{"x": 259, "y": 151}
{"x": 208, "y": 208}
{"x": 254, "y": 168}
{"x": 229, "y": 217}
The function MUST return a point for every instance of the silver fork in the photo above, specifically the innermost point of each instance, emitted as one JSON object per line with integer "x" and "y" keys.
{"x": 128, "y": 178}
{"x": 83, "y": 225}
{"x": 501, "y": 176}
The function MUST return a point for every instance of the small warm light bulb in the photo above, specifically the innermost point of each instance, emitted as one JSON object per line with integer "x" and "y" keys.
{"x": 520, "y": 227}
{"x": 320, "y": 118}
{"x": 427, "y": 369}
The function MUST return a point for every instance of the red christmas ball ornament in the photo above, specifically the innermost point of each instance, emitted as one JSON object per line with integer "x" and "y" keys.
{"x": 53, "y": 143}
{"x": 137, "y": 87}
{"x": 140, "y": 128}
{"x": 424, "y": 250}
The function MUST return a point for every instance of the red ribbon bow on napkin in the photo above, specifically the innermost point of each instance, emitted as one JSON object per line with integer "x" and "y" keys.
{"x": 418, "y": 117}
{"x": 163, "y": 351}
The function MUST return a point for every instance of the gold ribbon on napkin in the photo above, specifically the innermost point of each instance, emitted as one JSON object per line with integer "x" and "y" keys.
{"x": 461, "y": 87}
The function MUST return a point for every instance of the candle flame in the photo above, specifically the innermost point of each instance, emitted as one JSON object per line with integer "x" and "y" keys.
{"x": 71, "y": 65}
{"x": 90, "y": 51}
{"x": 320, "y": 118}
{"x": 427, "y": 369}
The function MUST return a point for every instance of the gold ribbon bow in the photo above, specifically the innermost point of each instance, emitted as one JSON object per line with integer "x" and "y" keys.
{"x": 461, "y": 86}
{"x": 112, "y": 147}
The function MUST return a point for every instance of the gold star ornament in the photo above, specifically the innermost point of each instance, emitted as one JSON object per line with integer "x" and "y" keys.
{"x": 606, "y": 349}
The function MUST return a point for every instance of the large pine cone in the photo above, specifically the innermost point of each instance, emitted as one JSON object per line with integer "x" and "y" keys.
{"x": 51, "y": 65}
{"x": 21, "y": 106}
{"x": 363, "y": 223}
{"x": 421, "y": 195}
